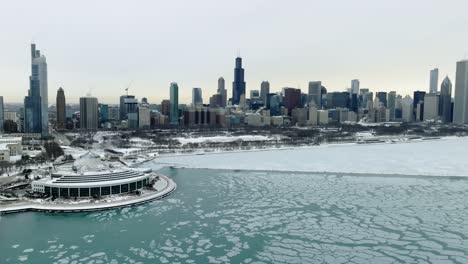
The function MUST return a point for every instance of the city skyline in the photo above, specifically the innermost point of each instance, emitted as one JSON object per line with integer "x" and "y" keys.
{"x": 388, "y": 55}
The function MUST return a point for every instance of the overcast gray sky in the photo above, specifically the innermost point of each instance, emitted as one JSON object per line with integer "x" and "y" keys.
{"x": 103, "y": 45}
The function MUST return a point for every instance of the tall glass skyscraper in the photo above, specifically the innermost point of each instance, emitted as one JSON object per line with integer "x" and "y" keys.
{"x": 460, "y": 108}
{"x": 174, "y": 104}
{"x": 446, "y": 100}
{"x": 238, "y": 85}
{"x": 39, "y": 74}
{"x": 197, "y": 98}
{"x": 32, "y": 108}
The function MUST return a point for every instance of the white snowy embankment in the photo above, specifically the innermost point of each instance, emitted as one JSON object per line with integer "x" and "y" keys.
{"x": 222, "y": 139}
{"x": 443, "y": 157}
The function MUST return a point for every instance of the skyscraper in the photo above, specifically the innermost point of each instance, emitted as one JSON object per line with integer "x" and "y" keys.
{"x": 382, "y": 98}
{"x": 418, "y": 97}
{"x": 197, "y": 98}
{"x": 39, "y": 73}
{"x": 32, "y": 108}
{"x": 291, "y": 99}
{"x": 264, "y": 90}
{"x": 460, "y": 108}
{"x": 88, "y": 113}
{"x": 174, "y": 104}
{"x": 391, "y": 104}
{"x": 407, "y": 109}
{"x": 2, "y": 114}
{"x": 238, "y": 85}
{"x": 60, "y": 106}
{"x": 315, "y": 94}
{"x": 446, "y": 100}
{"x": 123, "y": 108}
{"x": 222, "y": 91}
{"x": 355, "y": 86}
{"x": 103, "y": 113}
{"x": 165, "y": 106}
{"x": 434, "y": 79}
{"x": 431, "y": 107}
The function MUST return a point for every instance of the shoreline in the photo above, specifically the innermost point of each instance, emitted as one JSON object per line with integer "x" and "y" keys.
{"x": 77, "y": 208}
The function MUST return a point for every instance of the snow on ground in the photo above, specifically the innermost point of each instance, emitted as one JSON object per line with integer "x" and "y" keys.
{"x": 74, "y": 151}
{"x": 443, "y": 157}
{"x": 221, "y": 139}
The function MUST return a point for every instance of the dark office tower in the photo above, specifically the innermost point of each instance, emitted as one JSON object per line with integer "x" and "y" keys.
{"x": 123, "y": 108}
{"x": 446, "y": 100}
{"x": 165, "y": 105}
{"x": 197, "y": 98}
{"x": 418, "y": 96}
{"x": 354, "y": 103}
{"x": 222, "y": 91}
{"x": 338, "y": 100}
{"x": 292, "y": 98}
{"x": 315, "y": 94}
{"x": 32, "y": 108}
{"x": 238, "y": 85}
{"x": 60, "y": 106}
{"x": 382, "y": 98}
{"x": 264, "y": 91}
{"x": 103, "y": 113}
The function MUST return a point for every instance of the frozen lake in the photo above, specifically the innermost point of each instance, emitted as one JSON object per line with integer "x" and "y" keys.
{"x": 443, "y": 157}
{"x": 221, "y": 216}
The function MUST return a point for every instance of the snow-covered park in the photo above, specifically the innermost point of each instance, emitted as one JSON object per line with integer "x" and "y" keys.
{"x": 441, "y": 157}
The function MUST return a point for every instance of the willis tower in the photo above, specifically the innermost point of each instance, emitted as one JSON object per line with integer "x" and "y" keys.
{"x": 238, "y": 85}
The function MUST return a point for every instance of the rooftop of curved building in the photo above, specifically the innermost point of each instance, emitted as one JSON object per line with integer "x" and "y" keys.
{"x": 95, "y": 179}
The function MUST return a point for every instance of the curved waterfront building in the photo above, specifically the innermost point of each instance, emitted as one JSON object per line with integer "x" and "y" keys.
{"x": 90, "y": 184}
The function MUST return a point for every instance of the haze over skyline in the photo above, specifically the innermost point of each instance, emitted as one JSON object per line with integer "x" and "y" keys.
{"x": 103, "y": 46}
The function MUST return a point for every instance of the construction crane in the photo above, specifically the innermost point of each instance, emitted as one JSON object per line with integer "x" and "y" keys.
{"x": 128, "y": 87}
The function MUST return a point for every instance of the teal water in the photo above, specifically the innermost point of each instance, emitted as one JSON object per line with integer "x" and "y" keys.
{"x": 255, "y": 217}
